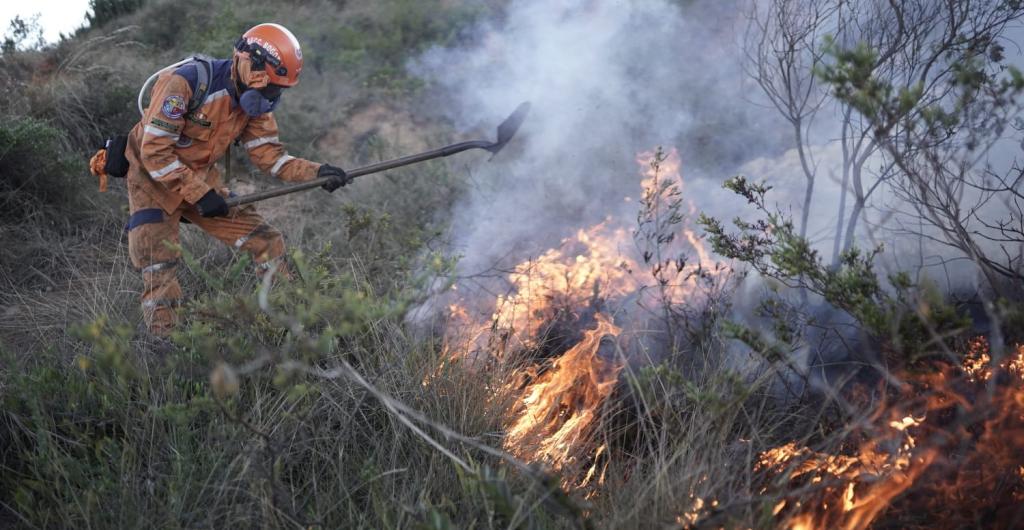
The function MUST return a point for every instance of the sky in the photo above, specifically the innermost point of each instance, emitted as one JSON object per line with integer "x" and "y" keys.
{"x": 56, "y": 16}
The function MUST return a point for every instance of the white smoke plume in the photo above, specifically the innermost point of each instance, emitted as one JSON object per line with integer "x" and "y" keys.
{"x": 607, "y": 79}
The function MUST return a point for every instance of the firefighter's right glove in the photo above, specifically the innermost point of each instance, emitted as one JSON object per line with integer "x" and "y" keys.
{"x": 338, "y": 177}
{"x": 212, "y": 205}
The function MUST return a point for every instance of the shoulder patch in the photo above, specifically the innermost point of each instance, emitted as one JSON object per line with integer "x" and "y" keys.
{"x": 174, "y": 107}
{"x": 169, "y": 127}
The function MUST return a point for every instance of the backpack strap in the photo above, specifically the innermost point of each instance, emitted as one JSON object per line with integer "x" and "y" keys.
{"x": 204, "y": 70}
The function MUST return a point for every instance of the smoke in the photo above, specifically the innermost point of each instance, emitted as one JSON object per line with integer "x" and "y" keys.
{"x": 607, "y": 79}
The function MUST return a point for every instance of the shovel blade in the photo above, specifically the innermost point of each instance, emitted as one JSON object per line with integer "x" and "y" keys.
{"x": 510, "y": 126}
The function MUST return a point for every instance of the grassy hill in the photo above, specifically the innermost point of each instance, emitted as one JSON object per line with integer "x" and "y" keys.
{"x": 323, "y": 402}
{"x": 119, "y": 438}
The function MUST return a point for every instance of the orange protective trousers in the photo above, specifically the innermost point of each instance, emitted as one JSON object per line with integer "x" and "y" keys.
{"x": 153, "y": 248}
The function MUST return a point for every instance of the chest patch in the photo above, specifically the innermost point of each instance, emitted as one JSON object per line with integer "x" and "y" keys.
{"x": 173, "y": 107}
{"x": 183, "y": 141}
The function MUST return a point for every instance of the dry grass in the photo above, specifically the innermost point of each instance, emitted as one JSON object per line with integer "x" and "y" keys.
{"x": 344, "y": 415}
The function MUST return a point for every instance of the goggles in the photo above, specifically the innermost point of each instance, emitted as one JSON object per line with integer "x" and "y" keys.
{"x": 260, "y": 57}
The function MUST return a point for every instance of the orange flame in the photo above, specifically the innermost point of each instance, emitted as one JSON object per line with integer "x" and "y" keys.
{"x": 570, "y": 286}
{"x": 851, "y": 491}
{"x": 907, "y": 443}
{"x": 561, "y": 406}
{"x": 586, "y": 266}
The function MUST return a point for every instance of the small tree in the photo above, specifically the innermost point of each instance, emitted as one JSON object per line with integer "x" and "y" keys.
{"x": 663, "y": 241}
{"x": 103, "y": 11}
{"x": 930, "y": 47}
{"x": 912, "y": 320}
{"x": 22, "y": 34}
{"x": 782, "y": 53}
{"x": 936, "y": 122}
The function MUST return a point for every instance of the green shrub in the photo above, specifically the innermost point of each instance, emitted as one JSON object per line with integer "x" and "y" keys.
{"x": 102, "y": 12}
{"x": 375, "y": 46}
{"x": 37, "y": 169}
{"x": 913, "y": 320}
{"x": 250, "y": 420}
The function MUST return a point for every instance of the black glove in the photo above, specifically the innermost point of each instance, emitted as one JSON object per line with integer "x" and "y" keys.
{"x": 212, "y": 205}
{"x": 339, "y": 177}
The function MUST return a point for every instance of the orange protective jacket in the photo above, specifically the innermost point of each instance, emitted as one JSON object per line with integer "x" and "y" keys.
{"x": 172, "y": 155}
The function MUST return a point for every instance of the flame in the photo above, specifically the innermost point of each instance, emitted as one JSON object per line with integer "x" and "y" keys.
{"x": 976, "y": 363}
{"x": 566, "y": 278}
{"x": 561, "y": 284}
{"x": 692, "y": 516}
{"x": 560, "y": 407}
{"x": 558, "y": 333}
{"x": 554, "y": 326}
{"x": 559, "y": 401}
{"x": 909, "y": 437}
{"x": 595, "y": 263}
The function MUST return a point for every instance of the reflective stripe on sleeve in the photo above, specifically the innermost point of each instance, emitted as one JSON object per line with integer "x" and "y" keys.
{"x": 166, "y": 170}
{"x": 280, "y": 162}
{"x": 253, "y": 144}
{"x": 156, "y": 131}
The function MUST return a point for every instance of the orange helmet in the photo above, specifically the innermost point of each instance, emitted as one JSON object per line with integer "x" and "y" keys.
{"x": 273, "y": 48}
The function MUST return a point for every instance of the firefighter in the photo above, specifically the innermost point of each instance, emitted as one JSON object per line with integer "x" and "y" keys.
{"x": 173, "y": 149}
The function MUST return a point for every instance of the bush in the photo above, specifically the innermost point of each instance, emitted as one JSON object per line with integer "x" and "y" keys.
{"x": 374, "y": 46}
{"x": 913, "y": 320}
{"x": 102, "y": 12}
{"x": 38, "y": 171}
{"x": 253, "y": 419}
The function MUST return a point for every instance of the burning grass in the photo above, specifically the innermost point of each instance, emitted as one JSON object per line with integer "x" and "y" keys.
{"x": 948, "y": 441}
{"x": 573, "y": 356}
{"x": 574, "y": 316}
{"x": 942, "y": 438}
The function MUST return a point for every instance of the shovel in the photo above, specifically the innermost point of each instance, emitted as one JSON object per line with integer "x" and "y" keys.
{"x": 506, "y": 131}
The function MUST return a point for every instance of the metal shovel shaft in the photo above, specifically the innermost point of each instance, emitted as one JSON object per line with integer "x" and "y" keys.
{"x": 506, "y": 131}
{"x": 358, "y": 172}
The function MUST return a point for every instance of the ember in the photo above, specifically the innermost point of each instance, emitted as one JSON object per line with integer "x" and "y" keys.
{"x": 941, "y": 442}
{"x": 563, "y": 332}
